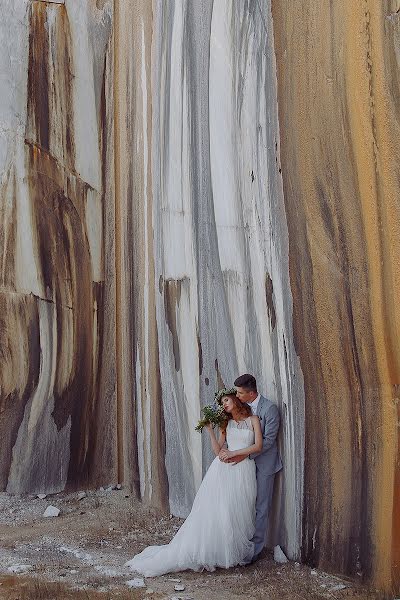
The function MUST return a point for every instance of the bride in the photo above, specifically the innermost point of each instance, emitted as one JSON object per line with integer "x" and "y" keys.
{"x": 221, "y": 524}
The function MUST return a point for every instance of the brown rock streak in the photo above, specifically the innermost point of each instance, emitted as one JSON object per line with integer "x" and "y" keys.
{"x": 66, "y": 274}
{"x": 338, "y": 99}
{"x": 50, "y": 114}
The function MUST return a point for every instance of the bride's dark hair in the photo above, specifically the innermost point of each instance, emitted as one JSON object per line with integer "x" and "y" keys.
{"x": 243, "y": 409}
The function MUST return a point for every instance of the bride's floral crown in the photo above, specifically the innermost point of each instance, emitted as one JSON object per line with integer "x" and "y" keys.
{"x": 223, "y": 392}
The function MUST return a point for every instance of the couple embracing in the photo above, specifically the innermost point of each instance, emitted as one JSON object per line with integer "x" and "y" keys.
{"x": 227, "y": 525}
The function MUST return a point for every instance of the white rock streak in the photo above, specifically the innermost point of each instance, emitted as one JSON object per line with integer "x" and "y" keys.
{"x": 221, "y": 235}
{"x": 210, "y": 208}
{"x": 146, "y": 299}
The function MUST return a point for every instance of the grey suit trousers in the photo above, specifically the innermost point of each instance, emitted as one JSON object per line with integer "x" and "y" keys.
{"x": 265, "y": 488}
{"x": 268, "y": 463}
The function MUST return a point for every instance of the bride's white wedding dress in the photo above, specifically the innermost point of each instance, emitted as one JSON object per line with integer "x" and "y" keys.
{"x": 218, "y": 531}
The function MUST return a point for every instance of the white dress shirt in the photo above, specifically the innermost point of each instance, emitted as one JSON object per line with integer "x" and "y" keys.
{"x": 254, "y": 404}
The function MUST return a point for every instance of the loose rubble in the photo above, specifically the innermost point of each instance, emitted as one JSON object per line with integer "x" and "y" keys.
{"x": 96, "y": 532}
{"x": 51, "y": 511}
{"x": 279, "y": 555}
{"x": 19, "y": 568}
{"x": 138, "y": 582}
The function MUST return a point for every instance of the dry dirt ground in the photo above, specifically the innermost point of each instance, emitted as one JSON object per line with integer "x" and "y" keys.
{"x": 81, "y": 554}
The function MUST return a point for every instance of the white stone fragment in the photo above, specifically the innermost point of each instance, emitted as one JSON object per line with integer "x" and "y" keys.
{"x": 106, "y": 571}
{"x": 279, "y": 555}
{"x": 314, "y": 572}
{"x": 51, "y": 511}
{"x": 138, "y": 582}
{"x": 42, "y": 496}
{"x": 337, "y": 588}
{"x": 179, "y": 587}
{"x": 81, "y": 495}
{"x": 19, "y": 568}
{"x": 77, "y": 553}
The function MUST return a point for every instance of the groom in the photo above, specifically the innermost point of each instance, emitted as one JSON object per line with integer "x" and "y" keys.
{"x": 267, "y": 461}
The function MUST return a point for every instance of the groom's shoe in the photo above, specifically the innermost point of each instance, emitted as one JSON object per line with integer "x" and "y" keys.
{"x": 255, "y": 558}
{"x": 251, "y": 561}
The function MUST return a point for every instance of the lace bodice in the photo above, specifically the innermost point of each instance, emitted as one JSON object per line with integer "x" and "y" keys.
{"x": 244, "y": 424}
{"x": 239, "y": 435}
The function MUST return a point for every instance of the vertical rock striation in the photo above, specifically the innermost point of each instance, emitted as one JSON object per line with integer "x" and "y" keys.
{"x": 338, "y": 97}
{"x": 224, "y": 305}
{"x": 141, "y": 433}
{"x": 161, "y": 232}
{"x": 54, "y": 228}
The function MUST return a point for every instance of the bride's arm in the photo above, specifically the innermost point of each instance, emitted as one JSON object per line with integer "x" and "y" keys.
{"x": 256, "y": 447}
{"x": 216, "y": 445}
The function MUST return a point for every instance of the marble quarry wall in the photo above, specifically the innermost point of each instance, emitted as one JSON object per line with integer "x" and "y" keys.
{"x": 189, "y": 191}
{"x": 339, "y": 109}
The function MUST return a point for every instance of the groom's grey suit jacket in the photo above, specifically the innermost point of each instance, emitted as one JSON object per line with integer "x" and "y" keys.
{"x": 268, "y": 460}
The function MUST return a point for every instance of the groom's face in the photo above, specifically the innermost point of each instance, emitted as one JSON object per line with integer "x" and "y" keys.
{"x": 245, "y": 395}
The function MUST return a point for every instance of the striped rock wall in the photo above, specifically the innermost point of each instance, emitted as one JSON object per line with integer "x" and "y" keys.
{"x": 191, "y": 190}
{"x": 339, "y": 108}
{"x": 57, "y": 276}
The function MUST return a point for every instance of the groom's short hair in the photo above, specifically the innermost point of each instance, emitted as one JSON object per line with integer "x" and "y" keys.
{"x": 246, "y": 381}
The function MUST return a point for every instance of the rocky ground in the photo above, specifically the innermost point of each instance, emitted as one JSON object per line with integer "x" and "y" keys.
{"x": 81, "y": 552}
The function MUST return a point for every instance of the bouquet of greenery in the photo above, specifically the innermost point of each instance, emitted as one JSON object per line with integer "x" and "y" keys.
{"x": 214, "y": 413}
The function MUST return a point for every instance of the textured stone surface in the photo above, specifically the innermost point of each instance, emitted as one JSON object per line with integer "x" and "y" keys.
{"x": 161, "y": 231}
{"x": 54, "y": 228}
{"x": 338, "y": 98}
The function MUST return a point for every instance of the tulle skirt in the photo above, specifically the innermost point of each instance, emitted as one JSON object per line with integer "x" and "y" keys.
{"x": 219, "y": 529}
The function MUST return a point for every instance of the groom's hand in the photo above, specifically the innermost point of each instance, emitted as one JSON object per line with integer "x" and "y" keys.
{"x": 221, "y": 456}
{"x": 236, "y": 459}
{"x": 224, "y": 455}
